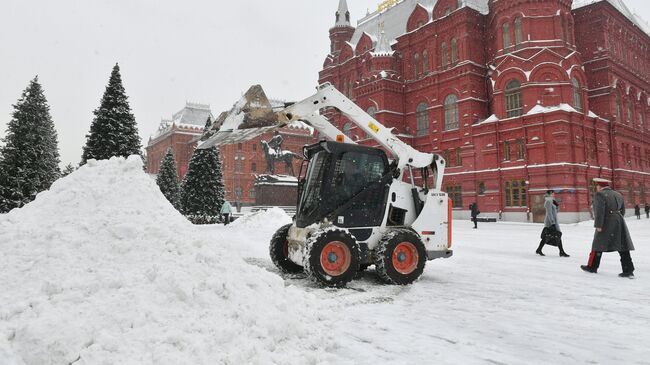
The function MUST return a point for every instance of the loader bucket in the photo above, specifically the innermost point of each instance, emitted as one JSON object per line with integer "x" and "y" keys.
{"x": 250, "y": 117}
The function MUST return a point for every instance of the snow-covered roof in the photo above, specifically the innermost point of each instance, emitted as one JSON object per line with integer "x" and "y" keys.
{"x": 383, "y": 48}
{"x": 393, "y": 20}
{"x": 622, "y": 8}
{"x": 479, "y": 5}
{"x": 193, "y": 114}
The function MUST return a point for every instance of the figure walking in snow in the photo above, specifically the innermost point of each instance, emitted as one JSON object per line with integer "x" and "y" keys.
{"x": 647, "y": 210}
{"x": 226, "y": 211}
{"x": 474, "y": 213}
{"x": 637, "y": 211}
{"x": 551, "y": 234}
{"x": 611, "y": 231}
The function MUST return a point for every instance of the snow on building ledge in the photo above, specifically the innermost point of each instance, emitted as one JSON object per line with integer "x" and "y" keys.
{"x": 539, "y": 109}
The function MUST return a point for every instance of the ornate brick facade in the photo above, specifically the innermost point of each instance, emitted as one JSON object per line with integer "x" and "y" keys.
{"x": 520, "y": 96}
{"x": 179, "y": 134}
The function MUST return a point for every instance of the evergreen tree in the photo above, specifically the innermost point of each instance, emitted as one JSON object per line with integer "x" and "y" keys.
{"x": 30, "y": 155}
{"x": 202, "y": 191}
{"x": 207, "y": 130}
{"x": 68, "y": 170}
{"x": 167, "y": 180}
{"x": 114, "y": 131}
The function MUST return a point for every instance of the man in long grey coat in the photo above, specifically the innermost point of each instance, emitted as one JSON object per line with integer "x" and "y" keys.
{"x": 551, "y": 235}
{"x": 611, "y": 231}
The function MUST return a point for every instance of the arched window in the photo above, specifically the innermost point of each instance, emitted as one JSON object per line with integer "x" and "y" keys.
{"x": 577, "y": 94}
{"x": 454, "y": 51}
{"x": 347, "y": 130}
{"x": 514, "y": 107}
{"x": 619, "y": 108}
{"x": 641, "y": 119}
{"x": 416, "y": 64}
{"x": 351, "y": 87}
{"x": 630, "y": 109}
{"x": 451, "y": 112}
{"x": 519, "y": 36}
{"x": 506, "y": 36}
{"x": 563, "y": 28}
{"x": 444, "y": 54}
{"x": 422, "y": 120}
{"x": 425, "y": 61}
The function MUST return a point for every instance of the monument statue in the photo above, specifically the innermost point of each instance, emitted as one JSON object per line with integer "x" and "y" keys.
{"x": 274, "y": 153}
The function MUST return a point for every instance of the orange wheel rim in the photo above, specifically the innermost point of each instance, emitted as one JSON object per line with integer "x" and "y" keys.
{"x": 405, "y": 258}
{"x": 335, "y": 258}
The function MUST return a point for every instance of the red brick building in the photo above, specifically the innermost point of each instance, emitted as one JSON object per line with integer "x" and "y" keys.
{"x": 520, "y": 96}
{"x": 179, "y": 134}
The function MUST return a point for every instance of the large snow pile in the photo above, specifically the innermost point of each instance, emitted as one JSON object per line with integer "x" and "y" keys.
{"x": 102, "y": 270}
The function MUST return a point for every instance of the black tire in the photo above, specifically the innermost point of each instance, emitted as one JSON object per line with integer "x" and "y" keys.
{"x": 332, "y": 258}
{"x": 408, "y": 263}
{"x": 278, "y": 249}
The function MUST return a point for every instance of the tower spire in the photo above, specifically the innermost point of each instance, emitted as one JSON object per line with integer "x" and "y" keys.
{"x": 343, "y": 14}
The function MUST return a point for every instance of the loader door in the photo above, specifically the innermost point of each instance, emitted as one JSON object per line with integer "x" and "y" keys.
{"x": 357, "y": 185}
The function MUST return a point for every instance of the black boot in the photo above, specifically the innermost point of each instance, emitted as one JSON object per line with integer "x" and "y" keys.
{"x": 588, "y": 268}
{"x": 626, "y": 265}
{"x": 539, "y": 249}
{"x": 562, "y": 253}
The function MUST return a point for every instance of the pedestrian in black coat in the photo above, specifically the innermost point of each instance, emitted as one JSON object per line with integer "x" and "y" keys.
{"x": 611, "y": 230}
{"x": 637, "y": 211}
{"x": 474, "y": 212}
{"x": 647, "y": 210}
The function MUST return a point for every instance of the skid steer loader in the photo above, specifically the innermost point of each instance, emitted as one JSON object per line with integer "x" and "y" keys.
{"x": 358, "y": 206}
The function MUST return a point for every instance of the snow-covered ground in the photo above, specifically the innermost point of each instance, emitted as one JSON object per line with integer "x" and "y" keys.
{"x": 101, "y": 270}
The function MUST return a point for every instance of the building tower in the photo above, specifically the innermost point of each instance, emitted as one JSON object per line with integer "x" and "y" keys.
{"x": 343, "y": 30}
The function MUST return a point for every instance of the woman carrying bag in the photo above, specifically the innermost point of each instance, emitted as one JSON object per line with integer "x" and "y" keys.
{"x": 551, "y": 234}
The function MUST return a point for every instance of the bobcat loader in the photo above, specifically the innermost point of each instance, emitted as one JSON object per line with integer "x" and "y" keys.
{"x": 358, "y": 205}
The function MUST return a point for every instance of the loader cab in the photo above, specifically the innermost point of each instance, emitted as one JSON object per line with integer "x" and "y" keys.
{"x": 344, "y": 183}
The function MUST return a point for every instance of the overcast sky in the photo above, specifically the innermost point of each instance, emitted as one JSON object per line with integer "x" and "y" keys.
{"x": 169, "y": 52}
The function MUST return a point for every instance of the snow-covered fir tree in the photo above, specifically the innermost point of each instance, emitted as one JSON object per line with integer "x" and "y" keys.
{"x": 29, "y": 159}
{"x": 202, "y": 191}
{"x": 114, "y": 131}
{"x": 67, "y": 170}
{"x": 167, "y": 180}
{"x": 207, "y": 130}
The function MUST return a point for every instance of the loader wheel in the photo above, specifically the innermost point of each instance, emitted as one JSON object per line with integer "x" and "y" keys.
{"x": 332, "y": 258}
{"x": 400, "y": 257}
{"x": 279, "y": 250}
